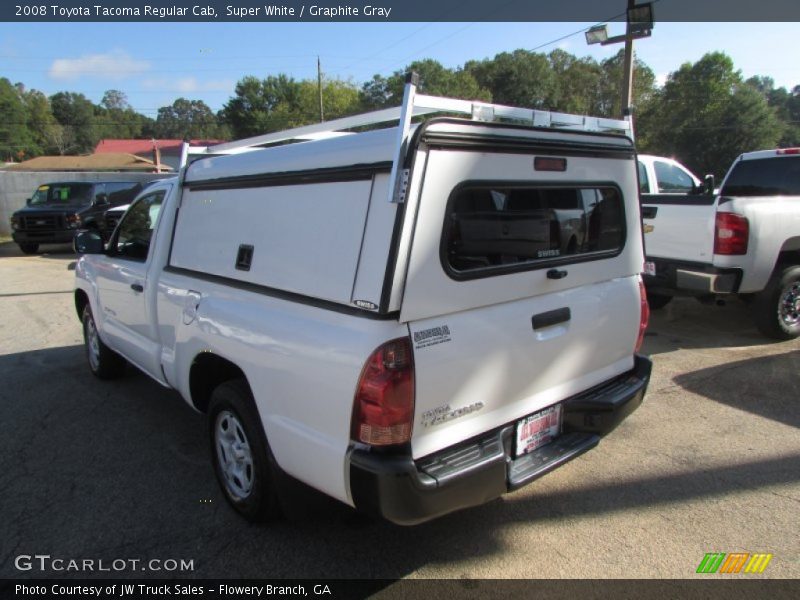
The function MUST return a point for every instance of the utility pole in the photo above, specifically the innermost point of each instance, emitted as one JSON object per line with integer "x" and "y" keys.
{"x": 638, "y": 24}
{"x": 627, "y": 85}
{"x": 319, "y": 87}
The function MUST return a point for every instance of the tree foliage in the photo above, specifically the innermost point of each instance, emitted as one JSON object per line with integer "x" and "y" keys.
{"x": 706, "y": 116}
{"x": 188, "y": 119}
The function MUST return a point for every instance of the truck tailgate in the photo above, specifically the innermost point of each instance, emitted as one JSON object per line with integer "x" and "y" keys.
{"x": 511, "y": 307}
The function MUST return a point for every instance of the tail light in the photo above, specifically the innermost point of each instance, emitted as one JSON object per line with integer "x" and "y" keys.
{"x": 731, "y": 234}
{"x": 644, "y": 316}
{"x": 383, "y": 410}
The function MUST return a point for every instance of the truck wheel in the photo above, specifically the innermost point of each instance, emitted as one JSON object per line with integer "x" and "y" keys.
{"x": 777, "y": 307}
{"x": 103, "y": 361}
{"x": 657, "y": 301}
{"x": 243, "y": 463}
{"x": 29, "y": 248}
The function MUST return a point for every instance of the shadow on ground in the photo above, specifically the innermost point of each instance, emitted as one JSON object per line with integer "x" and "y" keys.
{"x": 687, "y": 323}
{"x": 766, "y": 386}
{"x": 121, "y": 470}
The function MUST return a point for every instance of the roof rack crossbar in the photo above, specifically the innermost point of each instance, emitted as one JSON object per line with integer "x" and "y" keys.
{"x": 414, "y": 105}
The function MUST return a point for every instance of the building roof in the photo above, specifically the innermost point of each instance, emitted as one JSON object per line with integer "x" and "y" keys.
{"x": 114, "y": 161}
{"x": 146, "y": 146}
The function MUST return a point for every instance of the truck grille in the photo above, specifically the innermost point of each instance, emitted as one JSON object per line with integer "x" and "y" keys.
{"x": 42, "y": 222}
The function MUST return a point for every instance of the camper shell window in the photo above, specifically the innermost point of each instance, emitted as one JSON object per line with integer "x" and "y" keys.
{"x": 498, "y": 228}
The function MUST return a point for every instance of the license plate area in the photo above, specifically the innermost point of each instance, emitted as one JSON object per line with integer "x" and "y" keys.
{"x": 538, "y": 429}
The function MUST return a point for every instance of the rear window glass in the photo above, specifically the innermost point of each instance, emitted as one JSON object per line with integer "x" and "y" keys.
{"x": 502, "y": 227}
{"x": 779, "y": 176}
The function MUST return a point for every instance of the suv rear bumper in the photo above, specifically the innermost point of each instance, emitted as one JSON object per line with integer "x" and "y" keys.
{"x": 408, "y": 492}
{"x": 692, "y": 279}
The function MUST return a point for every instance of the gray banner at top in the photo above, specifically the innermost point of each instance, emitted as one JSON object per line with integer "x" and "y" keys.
{"x": 391, "y": 10}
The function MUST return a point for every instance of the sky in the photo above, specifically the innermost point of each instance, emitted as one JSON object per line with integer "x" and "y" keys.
{"x": 155, "y": 63}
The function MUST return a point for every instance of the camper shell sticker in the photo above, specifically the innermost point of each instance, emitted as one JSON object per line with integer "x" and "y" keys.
{"x": 431, "y": 337}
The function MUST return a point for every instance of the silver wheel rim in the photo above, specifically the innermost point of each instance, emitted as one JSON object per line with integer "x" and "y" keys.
{"x": 789, "y": 305}
{"x": 234, "y": 456}
{"x": 92, "y": 344}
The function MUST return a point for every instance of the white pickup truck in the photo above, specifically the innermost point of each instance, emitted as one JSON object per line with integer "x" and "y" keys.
{"x": 392, "y": 316}
{"x": 742, "y": 241}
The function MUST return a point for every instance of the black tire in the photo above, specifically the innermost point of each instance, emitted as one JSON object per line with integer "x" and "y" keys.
{"x": 29, "y": 248}
{"x": 657, "y": 301}
{"x": 777, "y": 308}
{"x": 104, "y": 363}
{"x": 247, "y": 472}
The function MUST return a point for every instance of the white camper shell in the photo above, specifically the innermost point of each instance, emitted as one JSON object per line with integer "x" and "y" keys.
{"x": 415, "y": 319}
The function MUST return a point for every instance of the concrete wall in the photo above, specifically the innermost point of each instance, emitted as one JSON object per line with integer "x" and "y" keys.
{"x": 18, "y": 186}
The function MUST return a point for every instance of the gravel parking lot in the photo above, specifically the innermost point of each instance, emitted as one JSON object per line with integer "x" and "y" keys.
{"x": 120, "y": 470}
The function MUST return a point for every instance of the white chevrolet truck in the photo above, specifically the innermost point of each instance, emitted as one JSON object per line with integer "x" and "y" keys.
{"x": 389, "y": 316}
{"x": 742, "y": 241}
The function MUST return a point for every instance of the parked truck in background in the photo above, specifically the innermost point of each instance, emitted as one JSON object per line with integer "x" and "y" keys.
{"x": 391, "y": 316}
{"x": 57, "y": 210}
{"x": 743, "y": 241}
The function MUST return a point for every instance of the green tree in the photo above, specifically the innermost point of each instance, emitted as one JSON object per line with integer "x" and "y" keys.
{"x": 786, "y": 105}
{"x": 434, "y": 79}
{"x": 15, "y": 138}
{"x": 44, "y": 130}
{"x": 188, "y": 119}
{"x": 609, "y": 103}
{"x": 116, "y": 119}
{"x": 518, "y": 78}
{"x": 259, "y": 105}
{"x": 76, "y": 114}
{"x": 281, "y": 102}
{"x": 706, "y": 116}
{"x": 577, "y": 84}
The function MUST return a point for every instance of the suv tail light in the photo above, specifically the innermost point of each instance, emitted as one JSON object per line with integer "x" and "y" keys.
{"x": 731, "y": 234}
{"x": 644, "y": 316}
{"x": 383, "y": 410}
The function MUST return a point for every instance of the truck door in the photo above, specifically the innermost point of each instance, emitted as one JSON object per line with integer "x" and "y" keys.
{"x": 678, "y": 222}
{"x": 124, "y": 292}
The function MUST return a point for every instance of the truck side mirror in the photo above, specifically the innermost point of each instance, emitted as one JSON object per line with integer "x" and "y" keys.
{"x": 708, "y": 184}
{"x": 89, "y": 242}
{"x": 28, "y": 201}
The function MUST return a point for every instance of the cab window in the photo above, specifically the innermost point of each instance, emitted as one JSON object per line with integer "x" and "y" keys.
{"x": 135, "y": 232}
{"x": 644, "y": 181}
{"x": 672, "y": 179}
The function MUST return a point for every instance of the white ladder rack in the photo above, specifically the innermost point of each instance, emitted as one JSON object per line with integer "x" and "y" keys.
{"x": 414, "y": 105}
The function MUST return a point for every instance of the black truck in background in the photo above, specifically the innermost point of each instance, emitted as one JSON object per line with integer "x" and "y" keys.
{"x": 56, "y": 211}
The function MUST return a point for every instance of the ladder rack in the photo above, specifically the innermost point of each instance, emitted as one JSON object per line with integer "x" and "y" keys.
{"x": 413, "y": 105}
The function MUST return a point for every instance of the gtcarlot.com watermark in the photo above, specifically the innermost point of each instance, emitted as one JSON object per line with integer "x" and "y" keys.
{"x": 48, "y": 563}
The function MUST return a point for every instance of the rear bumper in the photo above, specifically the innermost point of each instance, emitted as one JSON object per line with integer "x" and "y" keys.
{"x": 692, "y": 279}
{"x": 408, "y": 492}
{"x": 44, "y": 237}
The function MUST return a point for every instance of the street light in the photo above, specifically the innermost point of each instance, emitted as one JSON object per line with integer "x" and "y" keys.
{"x": 639, "y": 24}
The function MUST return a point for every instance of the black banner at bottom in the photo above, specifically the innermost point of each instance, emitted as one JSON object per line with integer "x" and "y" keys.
{"x": 386, "y": 589}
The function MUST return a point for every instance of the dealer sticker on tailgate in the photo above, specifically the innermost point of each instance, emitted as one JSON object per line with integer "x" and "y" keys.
{"x": 538, "y": 429}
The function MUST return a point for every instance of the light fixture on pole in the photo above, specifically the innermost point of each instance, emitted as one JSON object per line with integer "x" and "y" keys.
{"x": 639, "y": 24}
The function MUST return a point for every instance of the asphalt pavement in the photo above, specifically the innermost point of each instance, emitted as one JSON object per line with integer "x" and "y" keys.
{"x": 120, "y": 470}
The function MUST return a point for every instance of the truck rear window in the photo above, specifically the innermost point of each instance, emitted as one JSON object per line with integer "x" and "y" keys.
{"x": 779, "y": 176}
{"x": 499, "y": 227}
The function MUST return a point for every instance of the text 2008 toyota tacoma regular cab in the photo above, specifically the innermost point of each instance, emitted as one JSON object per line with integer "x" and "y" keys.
{"x": 391, "y": 317}
{"x": 743, "y": 241}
